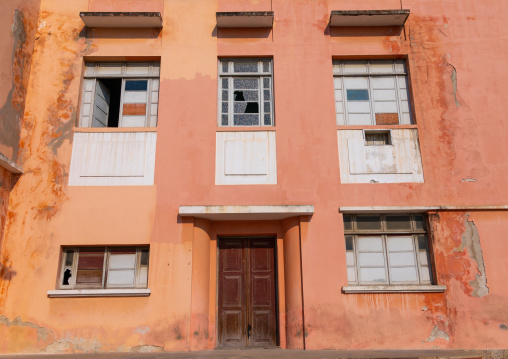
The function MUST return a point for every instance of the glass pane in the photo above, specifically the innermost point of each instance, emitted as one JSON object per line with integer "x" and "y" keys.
{"x": 349, "y": 243}
{"x": 398, "y": 223}
{"x": 266, "y": 83}
{"x": 355, "y": 67}
{"x": 350, "y": 258}
{"x": 136, "y": 85}
{"x": 373, "y": 275}
{"x": 399, "y": 243}
{"x": 225, "y": 65}
{"x": 358, "y": 95}
{"x": 225, "y": 95}
{"x": 361, "y": 83}
{"x": 69, "y": 256}
{"x": 145, "y": 255}
{"x": 225, "y": 83}
{"x": 121, "y": 277}
{"x": 351, "y": 275}
{"x": 420, "y": 223}
{"x": 423, "y": 258}
{"x": 422, "y": 242}
{"x": 242, "y": 66}
{"x": 401, "y": 259}
{"x": 91, "y": 261}
{"x": 266, "y": 66}
{"x": 267, "y": 107}
{"x": 268, "y": 120}
{"x": 89, "y": 277}
{"x": 266, "y": 95}
{"x": 143, "y": 276}
{"x": 371, "y": 259}
{"x": 225, "y": 107}
{"x": 242, "y": 83}
{"x": 246, "y": 120}
{"x": 123, "y": 261}
{"x": 368, "y": 223}
{"x": 348, "y": 223}
{"x": 369, "y": 244}
{"x": 407, "y": 274}
{"x": 224, "y": 120}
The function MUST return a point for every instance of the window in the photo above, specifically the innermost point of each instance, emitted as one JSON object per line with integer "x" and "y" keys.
{"x": 389, "y": 249}
{"x": 371, "y": 92}
{"x": 377, "y": 138}
{"x": 104, "y": 267}
{"x": 245, "y": 93}
{"x": 120, "y": 95}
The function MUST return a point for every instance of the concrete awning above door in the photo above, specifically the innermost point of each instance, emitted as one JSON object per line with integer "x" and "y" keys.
{"x": 246, "y": 213}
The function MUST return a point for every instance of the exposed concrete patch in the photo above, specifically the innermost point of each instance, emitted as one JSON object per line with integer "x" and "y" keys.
{"x": 142, "y": 330}
{"x": 471, "y": 241}
{"x": 453, "y": 76}
{"x": 56, "y": 347}
{"x": 437, "y": 333}
{"x": 468, "y": 180}
{"x": 42, "y": 333}
{"x": 146, "y": 349}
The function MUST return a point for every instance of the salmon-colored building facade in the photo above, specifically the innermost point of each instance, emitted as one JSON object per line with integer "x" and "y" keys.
{"x": 207, "y": 174}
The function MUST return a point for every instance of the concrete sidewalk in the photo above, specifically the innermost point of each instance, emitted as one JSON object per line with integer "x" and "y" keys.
{"x": 282, "y": 354}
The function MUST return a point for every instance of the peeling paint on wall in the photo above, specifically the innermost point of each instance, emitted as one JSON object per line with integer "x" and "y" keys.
{"x": 471, "y": 242}
{"x": 437, "y": 333}
{"x": 42, "y": 333}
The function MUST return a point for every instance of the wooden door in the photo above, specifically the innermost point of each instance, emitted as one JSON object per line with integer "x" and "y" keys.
{"x": 247, "y": 304}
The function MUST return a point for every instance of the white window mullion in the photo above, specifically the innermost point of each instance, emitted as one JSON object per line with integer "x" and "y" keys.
{"x": 231, "y": 102}
{"x": 371, "y": 99}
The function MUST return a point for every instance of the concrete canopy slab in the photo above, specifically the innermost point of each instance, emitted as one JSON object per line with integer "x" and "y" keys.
{"x": 369, "y": 17}
{"x": 10, "y": 165}
{"x": 245, "y": 19}
{"x": 245, "y": 213}
{"x": 122, "y": 19}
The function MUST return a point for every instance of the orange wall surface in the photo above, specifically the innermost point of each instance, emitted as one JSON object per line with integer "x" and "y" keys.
{"x": 457, "y": 59}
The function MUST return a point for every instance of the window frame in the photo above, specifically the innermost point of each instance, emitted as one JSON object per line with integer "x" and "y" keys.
{"x": 92, "y": 73}
{"x": 384, "y": 233}
{"x": 400, "y": 70}
{"x": 230, "y": 75}
{"x": 105, "y": 268}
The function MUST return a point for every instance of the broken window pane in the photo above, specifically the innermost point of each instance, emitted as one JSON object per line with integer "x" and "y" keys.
{"x": 246, "y": 107}
{"x": 67, "y": 275}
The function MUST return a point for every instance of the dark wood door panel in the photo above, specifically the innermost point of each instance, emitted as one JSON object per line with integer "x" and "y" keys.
{"x": 247, "y": 298}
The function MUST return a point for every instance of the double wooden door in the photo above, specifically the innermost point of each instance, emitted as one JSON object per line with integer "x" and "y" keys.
{"x": 247, "y": 298}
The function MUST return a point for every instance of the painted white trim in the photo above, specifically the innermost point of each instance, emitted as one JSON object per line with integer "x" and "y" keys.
{"x": 394, "y": 289}
{"x": 246, "y": 212}
{"x": 417, "y": 209}
{"x": 98, "y": 293}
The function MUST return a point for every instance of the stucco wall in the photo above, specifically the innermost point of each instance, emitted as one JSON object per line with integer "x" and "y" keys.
{"x": 458, "y": 93}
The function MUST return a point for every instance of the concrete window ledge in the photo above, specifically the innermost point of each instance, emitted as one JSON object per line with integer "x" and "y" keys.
{"x": 394, "y": 289}
{"x": 98, "y": 293}
{"x": 245, "y": 19}
{"x": 122, "y": 19}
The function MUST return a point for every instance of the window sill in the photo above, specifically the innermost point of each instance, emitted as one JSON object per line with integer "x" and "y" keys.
{"x": 245, "y": 128}
{"x": 394, "y": 289}
{"x": 98, "y": 293}
{"x": 115, "y": 129}
{"x": 375, "y": 127}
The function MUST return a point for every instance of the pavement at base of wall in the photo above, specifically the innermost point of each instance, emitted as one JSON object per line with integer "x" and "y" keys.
{"x": 282, "y": 354}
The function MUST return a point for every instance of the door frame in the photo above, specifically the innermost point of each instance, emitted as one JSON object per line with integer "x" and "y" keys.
{"x": 276, "y": 278}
